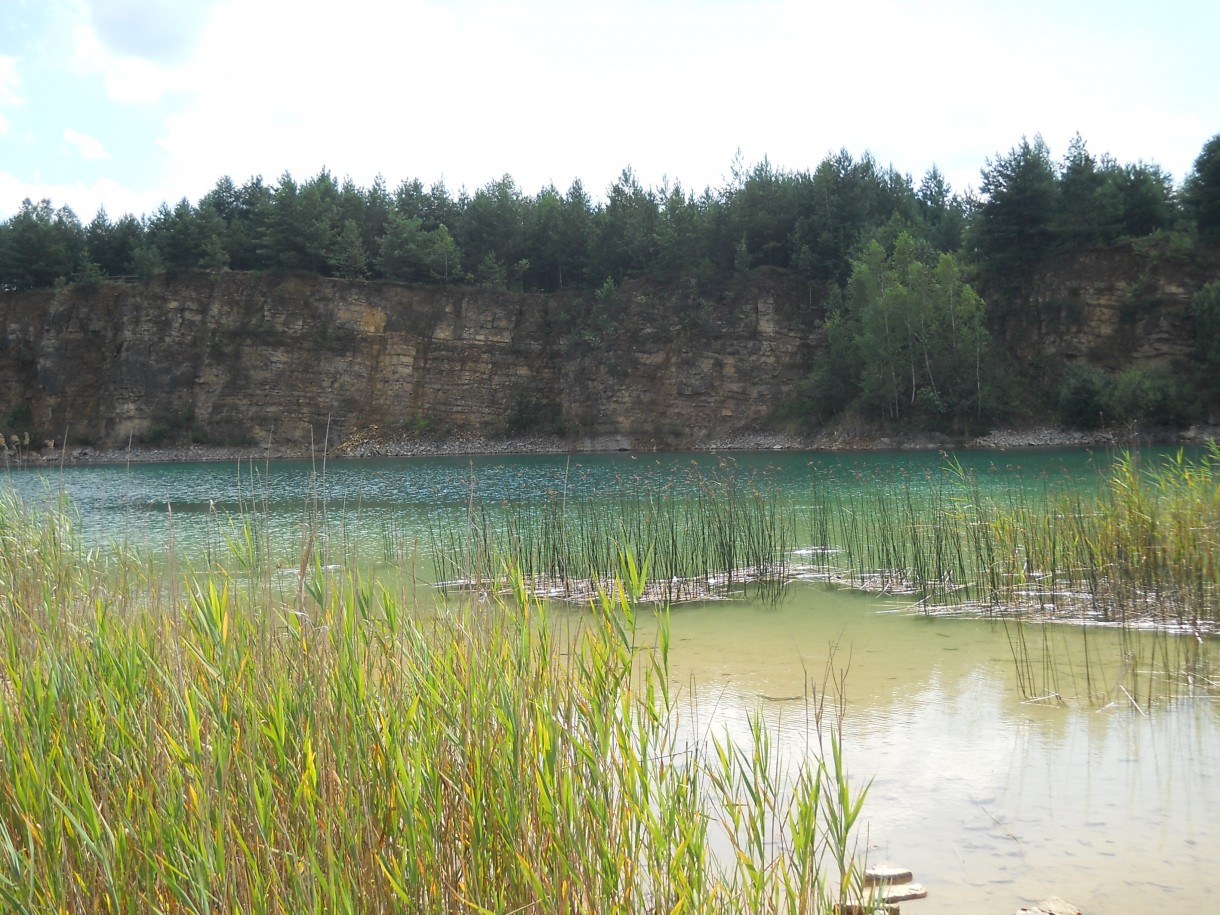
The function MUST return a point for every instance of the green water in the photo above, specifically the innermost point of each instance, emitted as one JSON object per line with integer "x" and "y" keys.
{"x": 994, "y": 801}
{"x": 407, "y": 497}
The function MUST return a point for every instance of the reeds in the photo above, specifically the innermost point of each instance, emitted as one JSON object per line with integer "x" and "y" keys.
{"x": 1138, "y": 552}
{"x": 215, "y": 744}
{"x": 696, "y": 538}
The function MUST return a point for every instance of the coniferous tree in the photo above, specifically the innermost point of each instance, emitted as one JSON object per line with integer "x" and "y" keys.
{"x": 1202, "y": 190}
{"x": 350, "y": 259}
{"x": 1012, "y": 230}
{"x": 41, "y": 245}
{"x": 444, "y": 256}
{"x": 401, "y": 254}
{"x": 1085, "y": 213}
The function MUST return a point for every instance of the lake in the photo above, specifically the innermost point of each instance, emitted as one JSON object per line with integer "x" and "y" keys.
{"x": 993, "y": 800}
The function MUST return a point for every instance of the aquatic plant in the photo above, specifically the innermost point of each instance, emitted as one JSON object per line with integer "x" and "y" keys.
{"x": 699, "y": 537}
{"x": 205, "y": 741}
{"x": 1138, "y": 551}
{"x": 1140, "y": 548}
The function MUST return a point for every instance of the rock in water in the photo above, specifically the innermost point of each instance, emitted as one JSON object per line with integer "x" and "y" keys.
{"x": 892, "y": 894}
{"x": 886, "y": 873}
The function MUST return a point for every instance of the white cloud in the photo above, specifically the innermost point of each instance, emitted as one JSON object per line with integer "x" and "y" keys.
{"x": 130, "y": 80}
{"x": 156, "y": 30}
{"x": 89, "y": 147}
{"x": 84, "y": 198}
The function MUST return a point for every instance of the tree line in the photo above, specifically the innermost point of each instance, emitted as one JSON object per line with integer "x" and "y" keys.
{"x": 896, "y": 262}
{"x": 814, "y": 223}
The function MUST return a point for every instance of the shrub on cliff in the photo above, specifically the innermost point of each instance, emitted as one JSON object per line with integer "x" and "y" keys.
{"x": 1082, "y": 396}
{"x": 1149, "y": 395}
{"x": 1206, "y": 311}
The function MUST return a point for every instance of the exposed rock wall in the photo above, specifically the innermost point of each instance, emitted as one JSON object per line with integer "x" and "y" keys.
{"x": 293, "y": 359}
{"x": 236, "y": 357}
{"x": 1112, "y": 307}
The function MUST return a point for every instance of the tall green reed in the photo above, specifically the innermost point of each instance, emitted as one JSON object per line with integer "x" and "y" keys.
{"x": 1136, "y": 552}
{"x": 709, "y": 533}
{"x": 234, "y": 747}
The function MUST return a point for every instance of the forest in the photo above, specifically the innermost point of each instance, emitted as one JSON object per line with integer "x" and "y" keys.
{"x": 915, "y": 279}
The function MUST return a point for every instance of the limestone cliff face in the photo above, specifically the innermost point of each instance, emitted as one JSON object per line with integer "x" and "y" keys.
{"x": 294, "y": 359}
{"x": 1111, "y": 307}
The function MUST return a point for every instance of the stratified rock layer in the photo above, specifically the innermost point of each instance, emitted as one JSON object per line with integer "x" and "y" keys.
{"x": 301, "y": 360}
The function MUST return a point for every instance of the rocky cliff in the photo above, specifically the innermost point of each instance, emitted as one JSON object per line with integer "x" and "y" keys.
{"x": 1111, "y": 307}
{"x": 245, "y": 358}
{"x": 297, "y": 360}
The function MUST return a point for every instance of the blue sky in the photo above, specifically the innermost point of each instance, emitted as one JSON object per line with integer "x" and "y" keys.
{"x": 129, "y": 103}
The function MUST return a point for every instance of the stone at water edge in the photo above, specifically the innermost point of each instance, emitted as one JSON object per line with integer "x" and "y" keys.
{"x": 886, "y": 873}
{"x": 1052, "y": 906}
{"x": 892, "y": 894}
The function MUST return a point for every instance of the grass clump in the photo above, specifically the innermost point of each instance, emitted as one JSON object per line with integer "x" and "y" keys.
{"x": 202, "y": 746}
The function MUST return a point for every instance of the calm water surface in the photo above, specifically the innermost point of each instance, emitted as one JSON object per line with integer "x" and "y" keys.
{"x": 994, "y": 802}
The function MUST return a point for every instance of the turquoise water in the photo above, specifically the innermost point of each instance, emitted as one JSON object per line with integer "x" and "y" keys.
{"x": 994, "y": 801}
{"x": 141, "y": 504}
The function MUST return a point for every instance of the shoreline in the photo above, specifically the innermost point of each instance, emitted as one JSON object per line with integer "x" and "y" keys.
{"x": 370, "y": 443}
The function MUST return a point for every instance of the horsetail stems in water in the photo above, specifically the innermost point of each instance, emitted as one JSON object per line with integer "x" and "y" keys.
{"x": 714, "y": 532}
{"x": 1143, "y": 548}
{"x": 1138, "y": 553}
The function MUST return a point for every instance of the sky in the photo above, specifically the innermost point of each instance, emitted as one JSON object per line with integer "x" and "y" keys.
{"x": 128, "y": 104}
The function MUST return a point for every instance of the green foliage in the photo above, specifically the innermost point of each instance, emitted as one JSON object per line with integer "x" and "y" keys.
{"x": 835, "y": 382}
{"x": 299, "y": 224}
{"x": 1146, "y": 200}
{"x": 177, "y": 235}
{"x": 401, "y": 256}
{"x": 838, "y": 206}
{"x": 1085, "y": 209}
{"x": 88, "y": 274}
{"x": 1136, "y": 550}
{"x": 1012, "y": 230}
{"x": 1149, "y": 395}
{"x": 625, "y": 243}
{"x": 39, "y": 245}
{"x": 112, "y": 246}
{"x": 763, "y": 205}
{"x": 1205, "y": 308}
{"x": 215, "y": 257}
{"x": 942, "y": 214}
{"x": 491, "y": 229}
{"x": 350, "y": 259}
{"x": 222, "y": 744}
{"x": 491, "y": 274}
{"x": 1083, "y": 396}
{"x": 911, "y": 339}
{"x": 147, "y": 261}
{"x": 1202, "y": 190}
{"x": 444, "y": 256}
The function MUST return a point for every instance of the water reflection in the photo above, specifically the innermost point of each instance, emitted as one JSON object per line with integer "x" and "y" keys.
{"x": 992, "y": 801}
